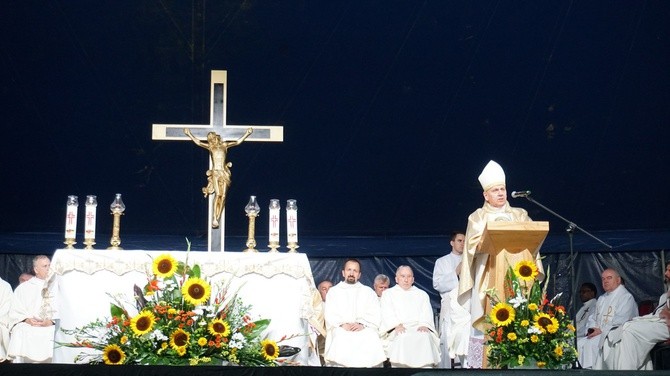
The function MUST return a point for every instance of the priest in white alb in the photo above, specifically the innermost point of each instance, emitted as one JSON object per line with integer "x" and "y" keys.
{"x": 627, "y": 347}
{"x": 587, "y": 294}
{"x": 352, "y": 322}
{"x": 454, "y": 319}
{"x": 613, "y": 308}
{"x": 31, "y": 316}
{"x": 407, "y": 317}
{"x": 5, "y": 304}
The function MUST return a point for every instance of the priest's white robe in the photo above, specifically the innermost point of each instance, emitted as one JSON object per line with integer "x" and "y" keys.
{"x": 5, "y": 304}
{"x": 32, "y": 344}
{"x": 412, "y": 309}
{"x": 475, "y": 271}
{"x": 582, "y": 317}
{"x": 454, "y": 319}
{"x": 353, "y": 303}
{"x": 627, "y": 347}
{"x": 612, "y": 310}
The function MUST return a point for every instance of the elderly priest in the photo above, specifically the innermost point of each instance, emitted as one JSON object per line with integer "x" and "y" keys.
{"x": 31, "y": 316}
{"x": 408, "y": 318}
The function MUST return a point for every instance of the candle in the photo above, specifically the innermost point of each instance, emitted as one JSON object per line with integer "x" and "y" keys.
{"x": 71, "y": 217}
{"x": 89, "y": 222}
{"x": 291, "y": 221}
{"x": 274, "y": 221}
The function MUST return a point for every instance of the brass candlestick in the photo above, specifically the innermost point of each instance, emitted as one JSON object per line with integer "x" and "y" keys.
{"x": 69, "y": 243}
{"x": 89, "y": 243}
{"x": 117, "y": 208}
{"x": 292, "y": 246}
{"x": 252, "y": 209}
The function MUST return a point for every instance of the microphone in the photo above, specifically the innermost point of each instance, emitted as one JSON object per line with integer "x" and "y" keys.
{"x": 517, "y": 194}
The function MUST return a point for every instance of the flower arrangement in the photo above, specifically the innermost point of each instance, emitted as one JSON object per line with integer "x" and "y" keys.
{"x": 527, "y": 329}
{"x": 178, "y": 323}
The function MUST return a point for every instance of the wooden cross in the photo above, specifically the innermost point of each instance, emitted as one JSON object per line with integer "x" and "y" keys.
{"x": 217, "y": 123}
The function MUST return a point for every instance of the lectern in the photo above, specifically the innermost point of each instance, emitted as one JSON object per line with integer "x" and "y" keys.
{"x": 508, "y": 243}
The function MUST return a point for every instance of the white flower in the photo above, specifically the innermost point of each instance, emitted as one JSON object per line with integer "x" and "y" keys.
{"x": 237, "y": 341}
{"x": 158, "y": 335}
{"x": 534, "y": 330}
{"x": 517, "y": 300}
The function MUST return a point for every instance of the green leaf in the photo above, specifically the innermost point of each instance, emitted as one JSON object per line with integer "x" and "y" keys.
{"x": 195, "y": 271}
{"x": 117, "y": 311}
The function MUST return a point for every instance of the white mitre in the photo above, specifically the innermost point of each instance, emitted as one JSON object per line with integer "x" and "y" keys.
{"x": 491, "y": 175}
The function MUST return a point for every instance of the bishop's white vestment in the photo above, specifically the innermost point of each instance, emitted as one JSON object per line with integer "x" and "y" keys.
{"x": 5, "y": 304}
{"x": 627, "y": 347}
{"x": 612, "y": 310}
{"x": 353, "y": 303}
{"x": 33, "y": 298}
{"x": 412, "y": 309}
{"x": 454, "y": 321}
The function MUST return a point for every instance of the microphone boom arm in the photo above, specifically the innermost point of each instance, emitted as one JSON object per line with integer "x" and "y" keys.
{"x": 571, "y": 225}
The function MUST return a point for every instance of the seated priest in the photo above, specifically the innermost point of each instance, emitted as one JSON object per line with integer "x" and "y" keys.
{"x": 587, "y": 294}
{"x": 627, "y": 347}
{"x": 407, "y": 317}
{"x": 352, "y": 322}
{"x": 31, "y": 316}
{"x": 613, "y": 308}
{"x": 5, "y": 304}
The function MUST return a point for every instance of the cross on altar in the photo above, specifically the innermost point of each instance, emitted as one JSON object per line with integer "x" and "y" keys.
{"x": 217, "y": 123}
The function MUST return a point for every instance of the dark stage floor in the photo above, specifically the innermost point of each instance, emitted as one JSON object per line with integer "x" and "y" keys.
{"x": 77, "y": 370}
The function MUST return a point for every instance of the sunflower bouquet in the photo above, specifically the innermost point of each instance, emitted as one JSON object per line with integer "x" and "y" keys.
{"x": 178, "y": 323}
{"x": 526, "y": 328}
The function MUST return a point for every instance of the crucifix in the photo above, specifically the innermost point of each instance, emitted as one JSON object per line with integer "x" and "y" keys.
{"x": 217, "y": 123}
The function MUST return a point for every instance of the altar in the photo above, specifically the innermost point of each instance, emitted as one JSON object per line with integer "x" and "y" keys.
{"x": 279, "y": 286}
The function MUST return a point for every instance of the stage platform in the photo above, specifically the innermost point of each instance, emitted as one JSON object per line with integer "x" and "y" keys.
{"x": 85, "y": 370}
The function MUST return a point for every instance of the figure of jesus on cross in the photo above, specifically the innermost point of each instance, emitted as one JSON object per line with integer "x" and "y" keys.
{"x": 217, "y": 137}
{"x": 218, "y": 176}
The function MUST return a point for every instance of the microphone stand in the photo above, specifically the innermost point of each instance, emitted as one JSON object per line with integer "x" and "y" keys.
{"x": 570, "y": 230}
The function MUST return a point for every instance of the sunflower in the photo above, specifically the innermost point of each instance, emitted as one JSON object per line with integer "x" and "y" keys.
{"x": 219, "y": 327}
{"x": 546, "y": 323}
{"x": 196, "y": 291}
{"x": 113, "y": 355}
{"x": 269, "y": 349}
{"x": 142, "y": 323}
{"x": 165, "y": 266}
{"x": 526, "y": 270}
{"x": 179, "y": 339}
{"x": 558, "y": 350}
{"x": 502, "y": 314}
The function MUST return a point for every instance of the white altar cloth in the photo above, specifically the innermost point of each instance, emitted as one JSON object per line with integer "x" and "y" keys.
{"x": 279, "y": 286}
